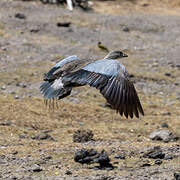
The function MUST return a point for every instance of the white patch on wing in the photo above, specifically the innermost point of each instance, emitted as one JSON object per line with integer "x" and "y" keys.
{"x": 58, "y": 84}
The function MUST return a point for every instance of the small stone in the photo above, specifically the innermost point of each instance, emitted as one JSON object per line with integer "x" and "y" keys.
{"x": 20, "y": 16}
{"x": 125, "y": 29}
{"x": 120, "y": 156}
{"x": 154, "y": 153}
{"x": 43, "y": 136}
{"x": 164, "y": 125}
{"x": 5, "y": 123}
{"x": 34, "y": 30}
{"x": 68, "y": 172}
{"x": 163, "y": 135}
{"x": 63, "y": 24}
{"x": 145, "y": 163}
{"x": 81, "y": 136}
{"x": 158, "y": 161}
{"x": 177, "y": 176}
{"x": 15, "y": 152}
{"x": 168, "y": 157}
{"x": 35, "y": 168}
{"x": 23, "y": 136}
{"x": 16, "y": 97}
{"x": 167, "y": 74}
{"x": 3, "y": 87}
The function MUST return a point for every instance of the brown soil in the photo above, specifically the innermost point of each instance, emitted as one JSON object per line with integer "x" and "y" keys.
{"x": 30, "y": 46}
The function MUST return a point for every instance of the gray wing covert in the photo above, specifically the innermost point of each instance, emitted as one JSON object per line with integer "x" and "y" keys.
{"x": 111, "y": 78}
{"x": 53, "y": 72}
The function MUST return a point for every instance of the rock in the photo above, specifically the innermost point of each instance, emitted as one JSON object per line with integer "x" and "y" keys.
{"x": 82, "y": 136}
{"x": 145, "y": 163}
{"x": 63, "y": 24}
{"x": 23, "y": 136}
{"x": 5, "y": 123}
{"x": 167, "y": 74}
{"x": 158, "y": 161}
{"x": 35, "y": 168}
{"x": 92, "y": 156}
{"x": 43, "y": 136}
{"x": 154, "y": 153}
{"x": 125, "y": 29}
{"x": 15, "y": 152}
{"x": 164, "y": 125}
{"x": 16, "y": 97}
{"x": 168, "y": 157}
{"x": 3, "y": 87}
{"x": 177, "y": 176}
{"x": 120, "y": 156}
{"x": 68, "y": 172}
{"x": 85, "y": 155}
{"x": 163, "y": 135}
{"x": 20, "y": 16}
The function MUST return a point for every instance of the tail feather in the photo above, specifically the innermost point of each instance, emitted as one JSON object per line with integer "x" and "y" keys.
{"x": 49, "y": 92}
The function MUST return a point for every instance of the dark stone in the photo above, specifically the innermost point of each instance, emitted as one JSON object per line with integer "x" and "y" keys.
{"x": 103, "y": 159}
{"x": 63, "y": 24}
{"x": 155, "y": 153}
{"x": 23, "y": 136}
{"x": 15, "y": 152}
{"x": 68, "y": 172}
{"x": 168, "y": 157}
{"x": 167, "y": 74}
{"x": 92, "y": 156}
{"x": 163, "y": 135}
{"x": 177, "y": 176}
{"x": 158, "y": 161}
{"x": 164, "y": 125}
{"x": 20, "y": 16}
{"x": 125, "y": 29}
{"x": 43, "y": 136}
{"x": 5, "y": 123}
{"x": 120, "y": 156}
{"x": 81, "y": 136}
{"x": 35, "y": 168}
{"x": 85, "y": 155}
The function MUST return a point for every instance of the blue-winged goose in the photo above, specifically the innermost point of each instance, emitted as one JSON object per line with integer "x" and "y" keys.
{"x": 108, "y": 75}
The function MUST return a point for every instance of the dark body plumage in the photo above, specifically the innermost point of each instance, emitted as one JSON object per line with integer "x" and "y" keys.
{"x": 108, "y": 75}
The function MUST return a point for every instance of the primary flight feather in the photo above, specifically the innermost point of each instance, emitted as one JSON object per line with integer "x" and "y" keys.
{"x": 108, "y": 75}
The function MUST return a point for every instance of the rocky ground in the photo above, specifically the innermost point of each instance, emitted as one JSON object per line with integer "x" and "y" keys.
{"x": 38, "y": 142}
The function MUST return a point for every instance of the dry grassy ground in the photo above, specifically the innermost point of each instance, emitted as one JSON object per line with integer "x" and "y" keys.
{"x": 30, "y": 46}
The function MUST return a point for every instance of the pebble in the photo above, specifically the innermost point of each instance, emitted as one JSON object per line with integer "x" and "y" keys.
{"x": 155, "y": 153}
{"x": 81, "y": 136}
{"x": 167, "y": 74}
{"x": 92, "y": 156}
{"x": 35, "y": 168}
{"x": 63, "y": 24}
{"x": 163, "y": 135}
{"x": 20, "y": 16}
{"x": 164, "y": 125}
{"x": 120, "y": 156}
{"x": 125, "y": 29}
{"x": 168, "y": 157}
{"x": 16, "y": 97}
{"x": 5, "y": 123}
{"x": 3, "y": 87}
{"x": 68, "y": 172}
{"x": 158, "y": 161}
{"x": 177, "y": 176}
{"x": 43, "y": 136}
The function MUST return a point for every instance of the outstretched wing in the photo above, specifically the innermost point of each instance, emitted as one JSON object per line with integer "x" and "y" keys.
{"x": 113, "y": 83}
{"x": 53, "y": 72}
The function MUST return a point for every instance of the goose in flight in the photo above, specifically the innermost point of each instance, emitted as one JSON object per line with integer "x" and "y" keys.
{"x": 107, "y": 75}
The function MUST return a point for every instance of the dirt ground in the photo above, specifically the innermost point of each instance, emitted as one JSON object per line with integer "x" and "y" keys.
{"x": 148, "y": 31}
